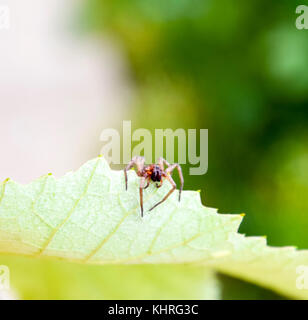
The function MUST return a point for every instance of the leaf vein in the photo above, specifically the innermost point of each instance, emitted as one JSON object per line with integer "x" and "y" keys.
{"x": 41, "y": 251}
{"x": 106, "y": 239}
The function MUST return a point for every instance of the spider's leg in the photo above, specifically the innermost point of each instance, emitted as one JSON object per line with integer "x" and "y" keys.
{"x": 128, "y": 167}
{"x": 178, "y": 167}
{"x": 159, "y": 185}
{"x": 142, "y": 182}
{"x": 168, "y": 194}
{"x": 148, "y": 183}
{"x": 162, "y": 162}
{"x": 139, "y": 162}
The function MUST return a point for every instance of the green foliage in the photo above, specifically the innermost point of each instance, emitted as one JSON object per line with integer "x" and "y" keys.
{"x": 51, "y": 279}
{"x": 89, "y": 218}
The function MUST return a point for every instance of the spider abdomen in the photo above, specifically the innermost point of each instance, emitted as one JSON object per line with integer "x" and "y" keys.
{"x": 156, "y": 174}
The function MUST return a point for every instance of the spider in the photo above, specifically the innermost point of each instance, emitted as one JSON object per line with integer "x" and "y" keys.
{"x": 156, "y": 173}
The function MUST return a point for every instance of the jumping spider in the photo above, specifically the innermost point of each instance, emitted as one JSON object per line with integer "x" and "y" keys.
{"x": 155, "y": 173}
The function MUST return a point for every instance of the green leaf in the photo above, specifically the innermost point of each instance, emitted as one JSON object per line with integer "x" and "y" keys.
{"x": 51, "y": 279}
{"x": 88, "y": 217}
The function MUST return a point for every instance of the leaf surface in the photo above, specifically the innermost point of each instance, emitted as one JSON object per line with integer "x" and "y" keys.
{"x": 87, "y": 217}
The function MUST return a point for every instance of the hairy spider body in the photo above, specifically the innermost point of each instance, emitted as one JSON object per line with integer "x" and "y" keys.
{"x": 155, "y": 173}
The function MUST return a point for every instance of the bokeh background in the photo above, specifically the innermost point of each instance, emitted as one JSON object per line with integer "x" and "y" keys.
{"x": 69, "y": 69}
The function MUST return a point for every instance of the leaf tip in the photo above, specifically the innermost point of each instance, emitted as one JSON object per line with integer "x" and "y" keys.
{"x": 242, "y": 214}
{"x": 199, "y": 190}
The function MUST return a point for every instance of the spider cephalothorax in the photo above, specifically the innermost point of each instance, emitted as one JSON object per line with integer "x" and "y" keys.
{"x": 155, "y": 173}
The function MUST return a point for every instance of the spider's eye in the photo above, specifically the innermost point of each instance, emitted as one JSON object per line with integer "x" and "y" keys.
{"x": 156, "y": 174}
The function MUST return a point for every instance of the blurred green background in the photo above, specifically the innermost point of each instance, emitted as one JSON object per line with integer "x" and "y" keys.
{"x": 237, "y": 68}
